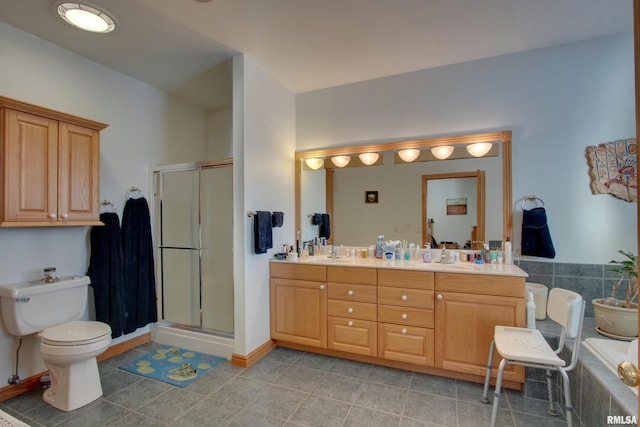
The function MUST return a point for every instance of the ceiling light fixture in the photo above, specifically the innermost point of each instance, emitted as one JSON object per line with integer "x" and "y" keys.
{"x": 368, "y": 158}
{"x": 442, "y": 152}
{"x": 479, "y": 149}
{"x": 87, "y": 18}
{"x": 409, "y": 155}
{"x": 314, "y": 163}
{"x": 340, "y": 161}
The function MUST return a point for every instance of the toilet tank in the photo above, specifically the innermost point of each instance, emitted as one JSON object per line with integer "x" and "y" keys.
{"x": 30, "y": 307}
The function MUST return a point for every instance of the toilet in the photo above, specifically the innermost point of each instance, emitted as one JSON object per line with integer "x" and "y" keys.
{"x": 68, "y": 346}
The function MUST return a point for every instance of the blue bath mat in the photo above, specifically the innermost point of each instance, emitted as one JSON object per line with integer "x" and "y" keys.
{"x": 172, "y": 365}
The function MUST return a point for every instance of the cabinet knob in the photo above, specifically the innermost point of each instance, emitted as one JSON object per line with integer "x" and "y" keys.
{"x": 403, "y": 298}
{"x": 65, "y": 216}
{"x": 321, "y": 287}
{"x": 439, "y": 296}
{"x": 350, "y": 310}
{"x": 350, "y": 293}
{"x": 350, "y": 323}
{"x": 52, "y": 215}
{"x": 404, "y": 332}
{"x": 404, "y": 317}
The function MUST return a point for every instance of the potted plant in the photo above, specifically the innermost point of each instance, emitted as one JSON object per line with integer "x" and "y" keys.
{"x": 618, "y": 318}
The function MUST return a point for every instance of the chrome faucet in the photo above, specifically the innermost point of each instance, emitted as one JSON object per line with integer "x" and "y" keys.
{"x": 333, "y": 253}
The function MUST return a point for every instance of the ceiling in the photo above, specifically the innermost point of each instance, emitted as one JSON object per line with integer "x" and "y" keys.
{"x": 178, "y": 45}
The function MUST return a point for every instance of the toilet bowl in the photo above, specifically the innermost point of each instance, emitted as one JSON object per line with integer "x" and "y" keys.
{"x": 68, "y": 346}
{"x": 69, "y": 352}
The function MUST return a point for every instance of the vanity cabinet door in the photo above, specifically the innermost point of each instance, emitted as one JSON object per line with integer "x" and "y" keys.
{"x": 407, "y": 344}
{"x": 299, "y": 311}
{"x": 464, "y": 331}
{"x": 353, "y": 336}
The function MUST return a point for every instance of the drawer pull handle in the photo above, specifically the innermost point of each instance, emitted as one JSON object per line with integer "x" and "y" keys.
{"x": 439, "y": 296}
{"x": 350, "y": 293}
{"x": 52, "y": 215}
{"x": 404, "y": 317}
{"x": 350, "y": 310}
{"x": 65, "y": 216}
{"x": 404, "y": 332}
{"x": 321, "y": 287}
{"x": 404, "y": 298}
{"x": 350, "y": 323}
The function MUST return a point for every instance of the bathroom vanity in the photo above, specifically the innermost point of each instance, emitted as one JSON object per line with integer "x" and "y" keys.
{"x": 427, "y": 317}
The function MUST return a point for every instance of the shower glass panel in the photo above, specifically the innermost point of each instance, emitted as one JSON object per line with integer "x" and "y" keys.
{"x": 194, "y": 206}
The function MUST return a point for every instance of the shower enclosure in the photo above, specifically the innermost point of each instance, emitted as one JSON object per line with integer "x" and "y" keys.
{"x": 194, "y": 214}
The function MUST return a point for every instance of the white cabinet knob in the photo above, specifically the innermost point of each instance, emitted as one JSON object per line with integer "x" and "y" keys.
{"x": 350, "y": 293}
{"x": 404, "y": 332}
{"x": 404, "y": 317}
{"x": 350, "y": 323}
{"x": 403, "y": 298}
{"x": 52, "y": 215}
{"x": 439, "y": 296}
{"x": 321, "y": 287}
{"x": 350, "y": 310}
{"x": 65, "y": 216}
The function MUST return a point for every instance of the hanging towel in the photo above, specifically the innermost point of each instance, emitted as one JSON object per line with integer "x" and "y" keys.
{"x": 536, "y": 239}
{"x": 324, "y": 224}
{"x": 277, "y": 219}
{"x": 105, "y": 271}
{"x": 139, "y": 275}
{"x": 263, "y": 238}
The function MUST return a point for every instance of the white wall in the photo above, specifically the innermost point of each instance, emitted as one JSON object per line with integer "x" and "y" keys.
{"x": 267, "y": 153}
{"x": 557, "y": 101}
{"x": 145, "y": 127}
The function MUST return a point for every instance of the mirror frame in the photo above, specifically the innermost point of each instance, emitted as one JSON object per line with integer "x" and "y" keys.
{"x": 477, "y": 237}
{"x": 503, "y": 137}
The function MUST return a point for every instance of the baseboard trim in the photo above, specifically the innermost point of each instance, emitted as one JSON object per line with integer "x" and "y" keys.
{"x": 251, "y": 358}
{"x": 33, "y": 382}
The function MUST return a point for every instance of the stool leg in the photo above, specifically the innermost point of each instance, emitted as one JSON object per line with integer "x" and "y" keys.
{"x": 567, "y": 396}
{"x": 496, "y": 394}
{"x": 487, "y": 377}
{"x": 552, "y": 406}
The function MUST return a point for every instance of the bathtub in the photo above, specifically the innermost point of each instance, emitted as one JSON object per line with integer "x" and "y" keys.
{"x": 612, "y": 352}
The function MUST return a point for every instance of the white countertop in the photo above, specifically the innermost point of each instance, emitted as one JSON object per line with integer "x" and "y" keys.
{"x": 463, "y": 267}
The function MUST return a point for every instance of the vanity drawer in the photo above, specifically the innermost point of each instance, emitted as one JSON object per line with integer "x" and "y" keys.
{"x": 351, "y": 292}
{"x": 353, "y": 336}
{"x": 406, "y": 344}
{"x": 484, "y": 284}
{"x": 359, "y": 275}
{"x": 405, "y": 297}
{"x": 352, "y": 310}
{"x": 406, "y": 315}
{"x": 316, "y": 273}
{"x": 406, "y": 279}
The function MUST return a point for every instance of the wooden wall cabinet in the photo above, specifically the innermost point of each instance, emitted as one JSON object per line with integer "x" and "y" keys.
{"x": 298, "y": 302}
{"x": 50, "y": 167}
{"x": 468, "y": 307}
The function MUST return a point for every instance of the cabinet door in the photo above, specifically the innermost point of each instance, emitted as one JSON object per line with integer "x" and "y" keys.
{"x": 405, "y": 344}
{"x": 464, "y": 331}
{"x": 31, "y": 167}
{"x": 353, "y": 336}
{"x": 79, "y": 173}
{"x": 299, "y": 311}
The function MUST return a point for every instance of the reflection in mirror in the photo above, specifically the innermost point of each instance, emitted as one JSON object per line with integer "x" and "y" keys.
{"x": 453, "y": 209}
{"x": 396, "y": 212}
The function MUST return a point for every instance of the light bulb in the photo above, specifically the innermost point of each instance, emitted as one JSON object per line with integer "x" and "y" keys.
{"x": 442, "y": 152}
{"x": 314, "y": 163}
{"x": 409, "y": 155}
{"x": 479, "y": 149}
{"x": 368, "y": 158}
{"x": 340, "y": 161}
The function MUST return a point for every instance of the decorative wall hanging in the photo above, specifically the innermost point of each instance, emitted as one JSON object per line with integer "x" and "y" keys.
{"x": 457, "y": 206}
{"x": 371, "y": 197}
{"x": 613, "y": 169}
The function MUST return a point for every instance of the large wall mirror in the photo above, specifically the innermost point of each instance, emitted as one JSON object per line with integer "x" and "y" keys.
{"x": 387, "y": 197}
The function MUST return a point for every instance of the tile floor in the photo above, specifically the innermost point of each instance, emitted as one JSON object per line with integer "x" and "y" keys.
{"x": 285, "y": 388}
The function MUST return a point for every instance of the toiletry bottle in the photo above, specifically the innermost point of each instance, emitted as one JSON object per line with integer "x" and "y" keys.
{"x": 426, "y": 256}
{"x": 508, "y": 254}
{"x": 531, "y": 311}
{"x": 380, "y": 247}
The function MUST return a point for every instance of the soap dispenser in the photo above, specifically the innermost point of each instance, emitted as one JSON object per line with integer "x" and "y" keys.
{"x": 426, "y": 256}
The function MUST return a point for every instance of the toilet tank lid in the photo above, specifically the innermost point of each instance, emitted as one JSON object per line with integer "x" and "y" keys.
{"x": 77, "y": 330}
{"x": 26, "y": 289}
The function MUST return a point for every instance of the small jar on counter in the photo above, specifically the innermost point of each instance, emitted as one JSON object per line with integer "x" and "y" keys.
{"x": 50, "y": 275}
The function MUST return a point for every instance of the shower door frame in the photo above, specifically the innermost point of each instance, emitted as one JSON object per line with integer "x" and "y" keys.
{"x": 196, "y": 167}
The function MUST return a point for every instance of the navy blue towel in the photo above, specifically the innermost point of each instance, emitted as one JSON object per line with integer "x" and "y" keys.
{"x": 277, "y": 219}
{"x": 536, "y": 238}
{"x": 262, "y": 233}
{"x": 324, "y": 224}
{"x": 139, "y": 274}
{"x": 105, "y": 271}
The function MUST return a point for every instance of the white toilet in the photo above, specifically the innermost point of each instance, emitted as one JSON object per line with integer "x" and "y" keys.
{"x": 68, "y": 346}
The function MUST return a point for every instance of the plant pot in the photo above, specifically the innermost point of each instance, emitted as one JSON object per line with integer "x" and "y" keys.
{"x": 617, "y": 321}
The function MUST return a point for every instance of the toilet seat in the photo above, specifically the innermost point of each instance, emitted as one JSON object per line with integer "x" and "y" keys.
{"x": 75, "y": 333}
